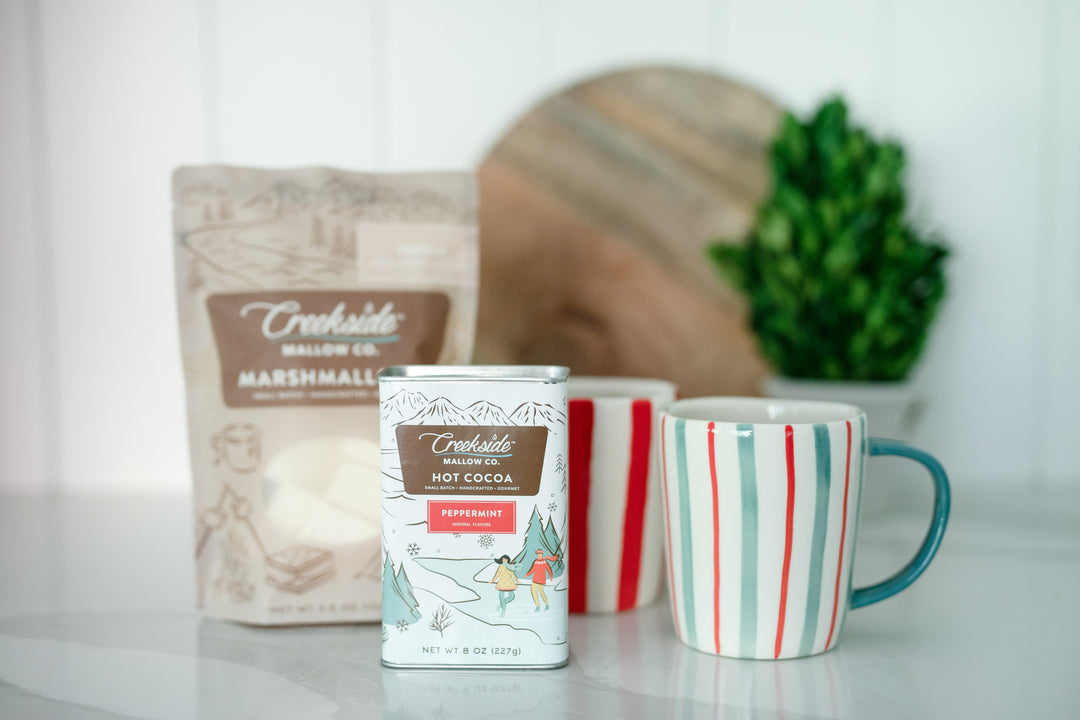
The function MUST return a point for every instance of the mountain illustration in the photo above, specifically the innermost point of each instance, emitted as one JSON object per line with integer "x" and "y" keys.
{"x": 485, "y": 413}
{"x": 440, "y": 411}
{"x": 401, "y": 405}
{"x": 292, "y": 197}
{"x": 531, "y": 413}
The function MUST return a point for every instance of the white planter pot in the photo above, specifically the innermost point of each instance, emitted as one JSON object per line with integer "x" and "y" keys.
{"x": 892, "y": 411}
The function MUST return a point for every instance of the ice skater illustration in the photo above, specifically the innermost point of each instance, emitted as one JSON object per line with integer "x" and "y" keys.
{"x": 540, "y": 572}
{"x": 506, "y": 583}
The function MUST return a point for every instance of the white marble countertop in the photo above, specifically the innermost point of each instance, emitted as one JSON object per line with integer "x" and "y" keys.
{"x": 97, "y": 621}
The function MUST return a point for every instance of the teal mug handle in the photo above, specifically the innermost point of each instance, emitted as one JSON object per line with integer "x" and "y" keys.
{"x": 887, "y": 588}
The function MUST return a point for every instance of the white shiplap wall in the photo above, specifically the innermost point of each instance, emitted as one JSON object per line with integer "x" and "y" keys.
{"x": 99, "y": 101}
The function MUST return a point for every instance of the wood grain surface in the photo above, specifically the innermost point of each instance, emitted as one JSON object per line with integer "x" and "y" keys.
{"x": 596, "y": 209}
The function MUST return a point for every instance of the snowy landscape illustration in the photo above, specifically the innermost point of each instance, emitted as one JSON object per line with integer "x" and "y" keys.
{"x": 464, "y": 584}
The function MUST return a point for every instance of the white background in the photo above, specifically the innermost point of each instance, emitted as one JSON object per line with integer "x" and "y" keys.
{"x": 100, "y": 100}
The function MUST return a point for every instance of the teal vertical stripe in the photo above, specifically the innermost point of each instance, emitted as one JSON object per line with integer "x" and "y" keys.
{"x": 823, "y": 458}
{"x": 684, "y": 530}
{"x": 748, "y": 483}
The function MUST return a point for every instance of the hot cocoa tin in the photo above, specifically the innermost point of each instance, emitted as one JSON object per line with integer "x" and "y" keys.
{"x": 474, "y": 473}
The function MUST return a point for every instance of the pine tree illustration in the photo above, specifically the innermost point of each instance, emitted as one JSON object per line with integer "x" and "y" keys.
{"x": 407, "y": 589}
{"x": 399, "y": 601}
{"x": 387, "y": 578}
{"x": 551, "y": 537}
{"x": 565, "y": 525}
{"x": 318, "y": 233}
{"x": 537, "y": 537}
{"x": 339, "y": 249}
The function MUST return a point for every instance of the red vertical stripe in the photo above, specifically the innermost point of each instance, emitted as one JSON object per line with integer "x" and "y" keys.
{"x": 667, "y": 512}
{"x": 789, "y": 446}
{"x": 637, "y": 485}
{"x": 716, "y": 539}
{"x": 843, "y": 533}
{"x": 581, "y": 413}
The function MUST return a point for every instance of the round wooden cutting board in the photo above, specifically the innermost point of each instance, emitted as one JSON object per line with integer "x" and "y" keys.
{"x": 596, "y": 210}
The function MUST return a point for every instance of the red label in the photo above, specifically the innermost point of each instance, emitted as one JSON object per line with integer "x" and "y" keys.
{"x": 471, "y": 517}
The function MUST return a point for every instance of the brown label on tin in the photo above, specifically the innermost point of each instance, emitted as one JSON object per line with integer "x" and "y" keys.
{"x": 320, "y": 348}
{"x": 500, "y": 460}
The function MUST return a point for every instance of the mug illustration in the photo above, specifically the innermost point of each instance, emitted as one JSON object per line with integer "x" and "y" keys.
{"x": 238, "y": 446}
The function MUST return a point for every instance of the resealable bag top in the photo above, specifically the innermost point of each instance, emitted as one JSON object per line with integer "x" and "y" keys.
{"x": 294, "y": 288}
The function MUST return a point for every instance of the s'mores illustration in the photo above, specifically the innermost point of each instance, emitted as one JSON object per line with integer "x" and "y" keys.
{"x": 299, "y": 568}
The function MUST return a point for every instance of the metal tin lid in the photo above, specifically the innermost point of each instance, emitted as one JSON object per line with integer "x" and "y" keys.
{"x": 474, "y": 373}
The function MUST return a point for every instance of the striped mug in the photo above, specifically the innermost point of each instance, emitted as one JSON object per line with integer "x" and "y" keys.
{"x": 761, "y": 508}
{"x": 616, "y": 530}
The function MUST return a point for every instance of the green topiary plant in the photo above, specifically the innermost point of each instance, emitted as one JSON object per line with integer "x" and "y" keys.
{"x": 841, "y": 286}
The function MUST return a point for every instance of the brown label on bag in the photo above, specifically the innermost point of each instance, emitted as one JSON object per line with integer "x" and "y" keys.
{"x": 320, "y": 348}
{"x": 471, "y": 459}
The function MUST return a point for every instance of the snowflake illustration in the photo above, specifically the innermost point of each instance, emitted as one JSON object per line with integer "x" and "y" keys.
{"x": 552, "y": 507}
{"x": 402, "y": 626}
{"x": 486, "y": 541}
{"x": 457, "y": 535}
{"x": 413, "y": 549}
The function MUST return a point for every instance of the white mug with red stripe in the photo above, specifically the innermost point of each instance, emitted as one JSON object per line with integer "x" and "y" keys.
{"x": 761, "y": 510}
{"x": 615, "y": 535}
